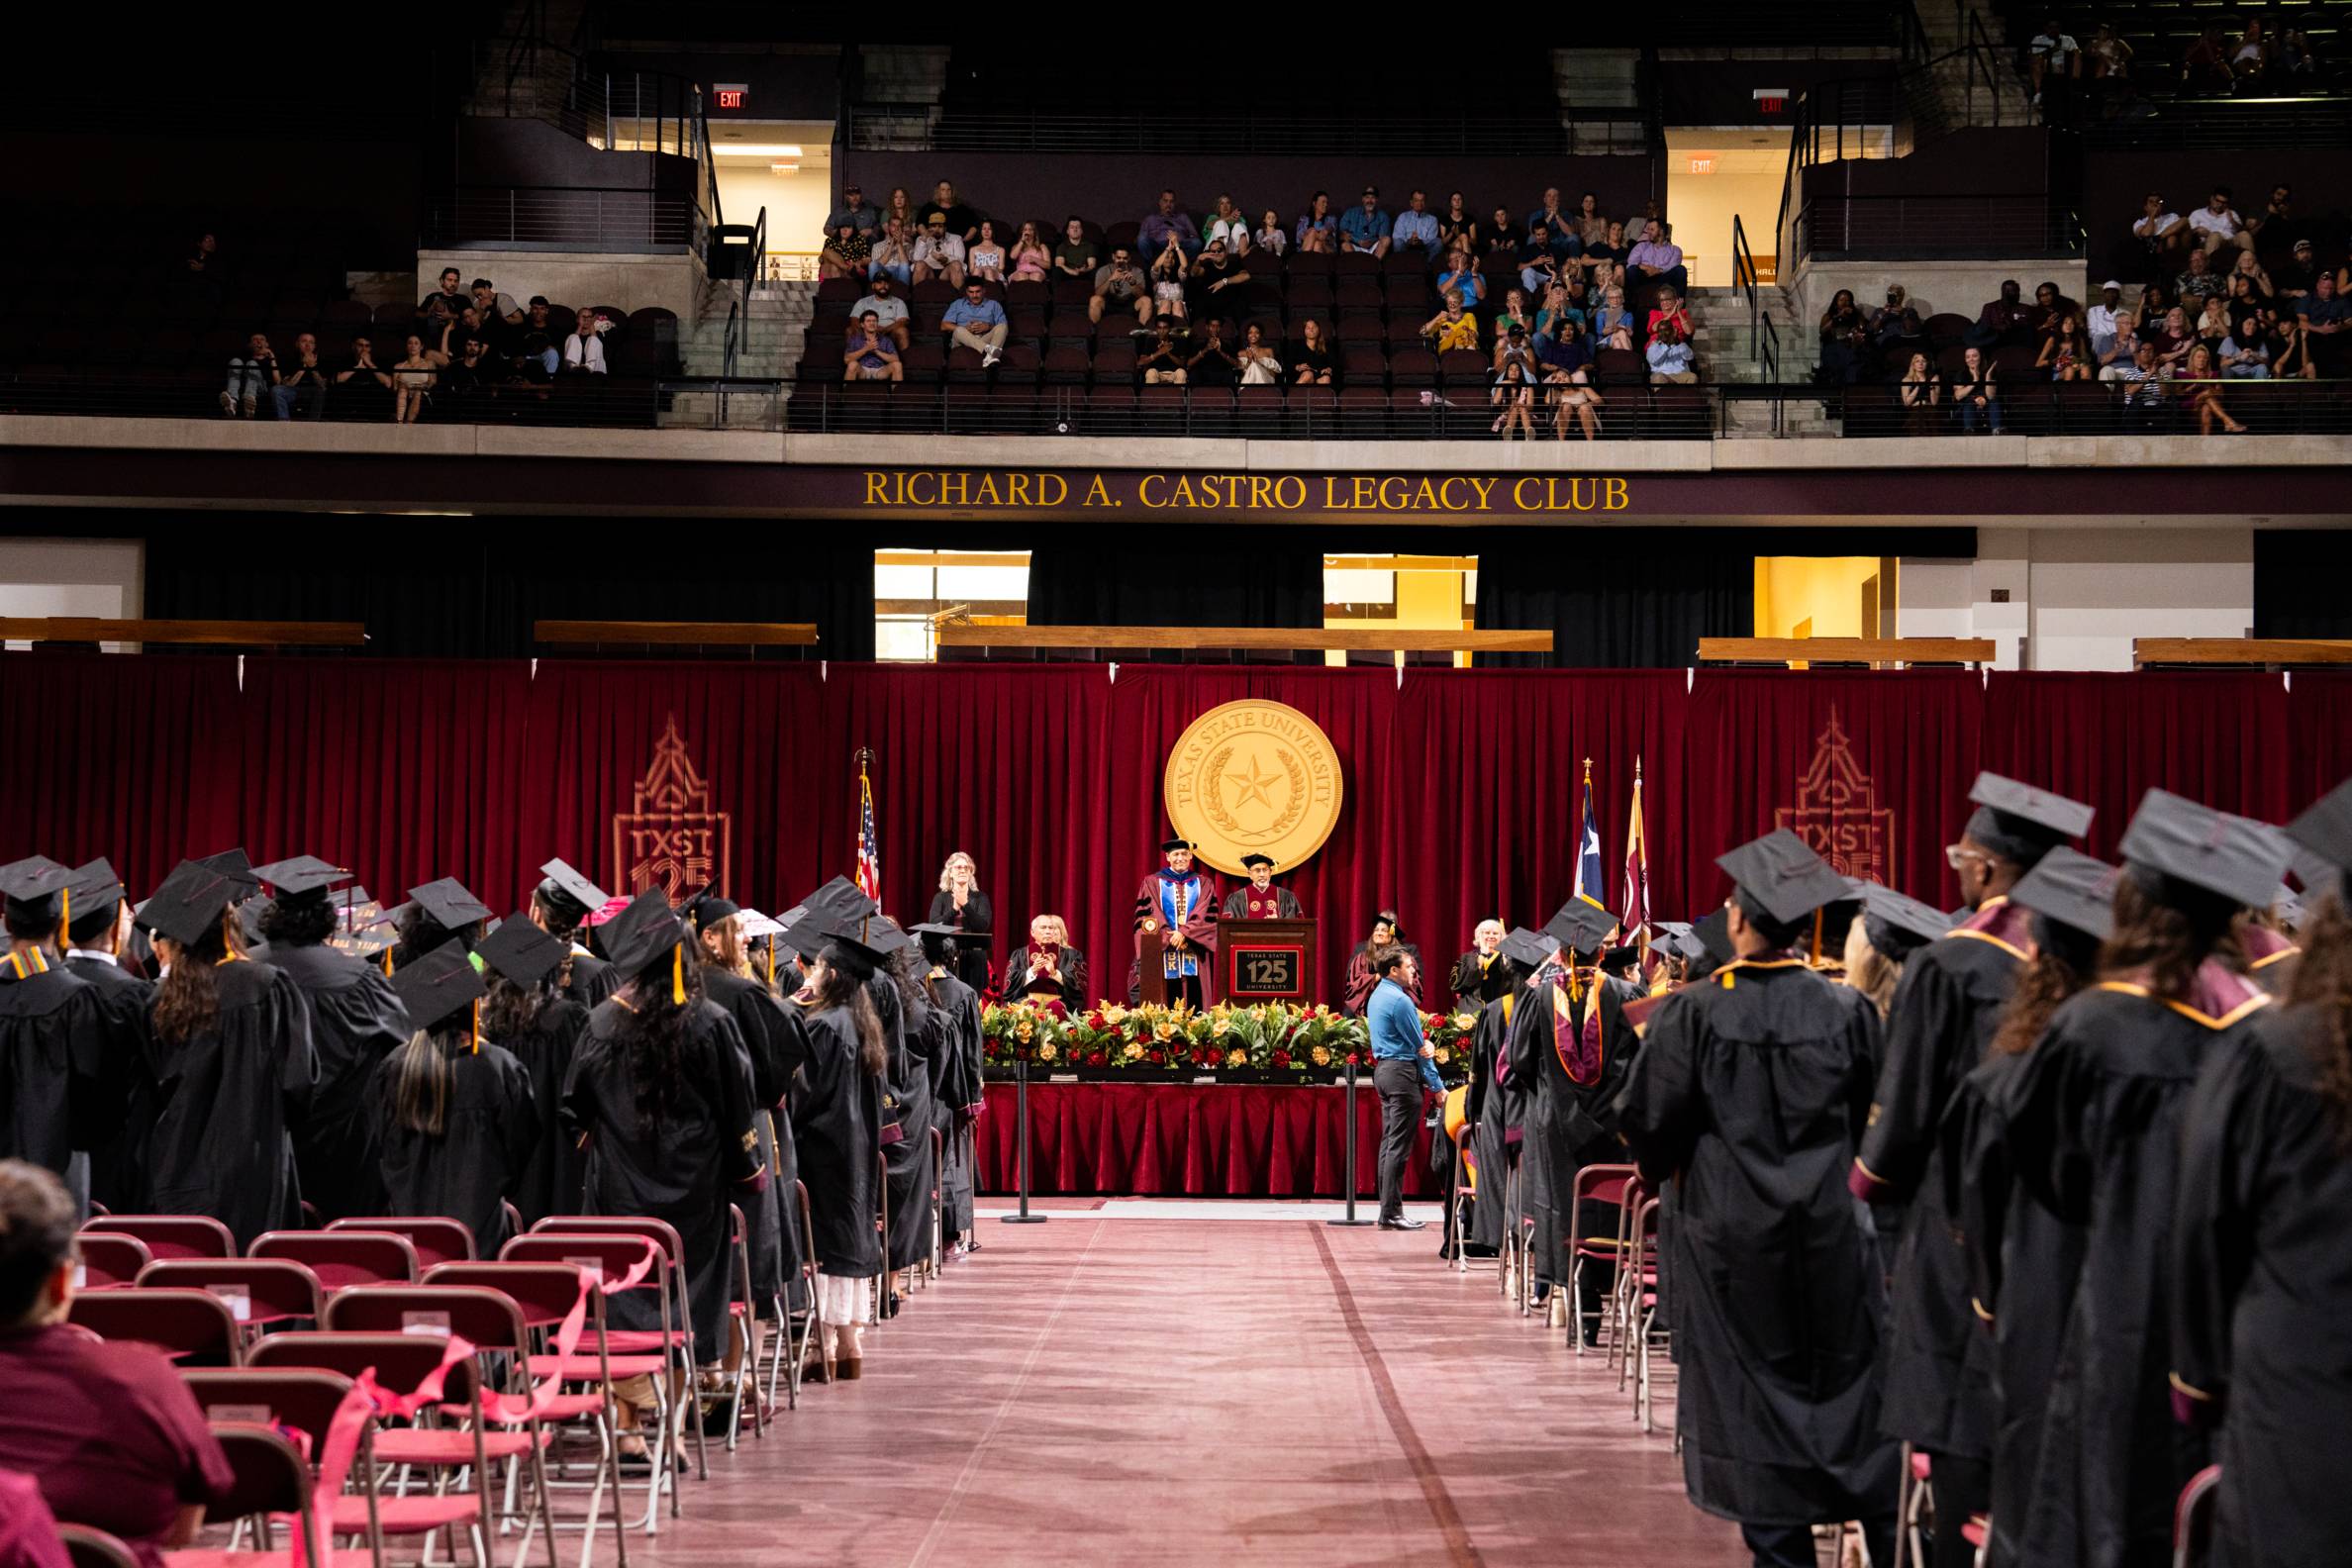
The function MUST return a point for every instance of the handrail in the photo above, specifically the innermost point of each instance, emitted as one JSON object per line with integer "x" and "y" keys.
{"x": 1763, "y": 336}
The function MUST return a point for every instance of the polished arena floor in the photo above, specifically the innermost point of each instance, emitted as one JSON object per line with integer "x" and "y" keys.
{"x": 1236, "y": 1383}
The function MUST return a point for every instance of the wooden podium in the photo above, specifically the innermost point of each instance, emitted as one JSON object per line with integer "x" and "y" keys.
{"x": 1265, "y": 960}
{"x": 1151, "y": 980}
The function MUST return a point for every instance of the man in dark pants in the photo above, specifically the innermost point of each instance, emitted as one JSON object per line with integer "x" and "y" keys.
{"x": 1401, "y": 1071}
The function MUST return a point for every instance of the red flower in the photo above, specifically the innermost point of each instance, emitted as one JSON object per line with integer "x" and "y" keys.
{"x": 1351, "y": 1059}
{"x": 1282, "y": 1058}
{"x": 1159, "y": 1058}
{"x": 1095, "y": 1059}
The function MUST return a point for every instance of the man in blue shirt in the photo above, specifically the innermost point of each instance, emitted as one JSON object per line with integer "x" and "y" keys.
{"x": 1365, "y": 227}
{"x": 1417, "y": 227}
{"x": 1401, "y": 1070}
{"x": 977, "y": 323}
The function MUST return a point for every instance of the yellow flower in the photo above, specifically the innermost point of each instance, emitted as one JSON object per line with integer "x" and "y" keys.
{"x": 1112, "y": 1015}
{"x": 1443, "y": 1057}
{"x": 1134, "y": 1050}
{"x": 1166, "y": 1031}
{"x": 1026, "y": 1032}
{"x": 1319, "y": 1056}
{"x": 1236, "y": 1058}
{"x": 1217, "y": 1029}
{"x": 1465, "y": 1021}
{"x": 1045, "y": 1052}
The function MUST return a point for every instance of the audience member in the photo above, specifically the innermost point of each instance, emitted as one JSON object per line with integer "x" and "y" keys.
{"x": 1229, "y": 224}
{"x": 1165, "y": 224}
{"x": 2204, "y": 64}
{"x": 1503, "y": 236}
{"x": 894, "y": 255}
{"x": 2216, "y": 226}
{"x": 2203, "y": 381}
{"x": 883, "y": 303}
{"x": 1889, "y": 315}
{"x": 1975, "y": 392}
{"x": 1417, "y": 227}
{"x": 203, "y": 255}
{"x": 1216, "y": 284}
{"x": 2291, "y": 349}
{"x": 444, "y": 345}
{"x": 465, "y": 378}
{"x": 498, "y": 307}
{"x": 1122, "y": 283}
{"x": 1260, "y": 365}
{"x": 1453, "y": 327}
{"x": 2245, "y": 303}
{"x": 2100, "y": 321}
{"x": 1846, "y": 341}
{"x": 2249, "y": 268}
{"x": 1591, "y": 227}
{"x": 2053, "y": 63}
{"x": 1032, "y": 261}
{"x": 2007, "y": 319}
{"x": 1162, "y": 360}
{"x": 1311, "y": 362}
{"x": 1270, "y": 236}
{"x": 984, "y": 258}
{"x": 2200, "y": 281}
{"x": 2154, "y": 304}
{"x": 902, "y": 209}
{"x": 2064, "y": 351}
{"x": 1167, "y": 280}
{"x": 2048, "y": 305}
{"x": 1657, "y": 258}
{"x": 1670, "y": 307}
{"x": 1612, "y": 323}
{"x": 1567, "y": 360}
{"x": 2172, "y": 340}
{"x": 938, "y": 252}
{"x": 2161, "y": 234}
{"x": 1669, "y": 355}
{"x": 1923, "y": 396}
{"x": 2212, "y": 322}
{"x": 109, "y": 1431}
{"x": 412, "y": 383}
{"x": 2278, "y": 225}
{"x": 952, "y": 215}
{"x": 362, "y": 368}
{"x": 2299, "y": 272}
{"x": 1607, "y": 254}
{"x": 1557, "y": 226}
{"x": 2118, "y": 357}
{"x": 872, "y": 356}
{"x": 977, "y": 323}
{"x": 2323, "y": 312}
{"x": 445, "y": 302}
{"x": 1514, "y": 377}
{"x": 844, "y": 253}
{"x": 1366, "y": 225}
{"x": 1319, "y": 226}
{"x": 1457, "y": 222}
{"x": 251, "y": 376}
{"x": 1460, "y": 275}
{"x": 1211, "y": 363}
{"x": 861, "y": 215}
{"x": 1076, "y": 256}
{"x": 583, "y": 350}
{"x": 2144, "y": 381}
{"x": 1513, "y": 313}
{"x": 1538, "y": 259}
{"x": 301, "y": 390}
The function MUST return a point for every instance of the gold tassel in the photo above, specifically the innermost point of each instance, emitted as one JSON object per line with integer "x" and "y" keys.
{"x": 387, "y": 963}
{"x": 66, "y": 926}
{"x": 678, "y": 974}
{"x": 477, "y": 1026}
{"x": 1817, "y": 939}
{"x": 771, "y": 963}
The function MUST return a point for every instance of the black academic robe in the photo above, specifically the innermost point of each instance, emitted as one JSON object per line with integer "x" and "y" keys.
{"x": 776, "y": 1049}
{"x": 1246, "y": 903}
{"x": 688, "y": 1167}
{"x": 230, "y": 1101}
{"x": 1486, "y": 1106}
{"x": 1480, "y": 978}
{"x": 554, "y": 1176}
{"x": 1750, "y": 1091}
{"x": 968, "y": 956}
{"x": 954, "y": 1050}
{"x": 592, "y": 980}
{"x": 1070, "y": 964}
{"x": 62, "y": 1079}
{"x": 119, "y": 1164}
{"x": 907, "y": 1104}
{"x": 356, "y": 1022}
{"x": 2093, "y": 1120}
{"x": 834, "y": 1123}
{"x": 489, "y": 1127}
{"x": 1945, "y": 1011}
{"x": 2262, "y": 1282}
{"x": 1571, "y": 1068}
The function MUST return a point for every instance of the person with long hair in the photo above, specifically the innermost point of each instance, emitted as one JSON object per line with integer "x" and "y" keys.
{"x": 2020, "y": 1256}
{"x": 61, "y": 1057}
{"x": 233, "y": 1058}
{"x": 560, "y": 905}
{"x": 960, "y": 903}
{"x": 438, "y": 913}
{"x": 1880, "y": 944}
{"x": 1385, "y": 932}
{"x": 661, "y": 1094}
{"x": 837, "y": 1123}
{"x": 908, "y": 1101}
{"x": 2260, "y": 1294}
{"x": 2203, "y": 380}
{"x": 451, "y": 1113}
{"x": 532, "y": 1010}
{"x": 2092, "y": 1135}
{"x": 953, "y": 1017}
{"x": 356, "y": 1023}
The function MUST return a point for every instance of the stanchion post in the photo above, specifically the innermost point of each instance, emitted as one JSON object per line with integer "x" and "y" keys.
{"x": 1352, "y": 1218}
{"x": 1021, "y": 1115}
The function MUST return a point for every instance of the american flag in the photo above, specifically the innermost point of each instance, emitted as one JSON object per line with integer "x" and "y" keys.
{"x": 1636, "y": 898}
{"x": 1591, "y": 882}
{"x": 869, "y": 845}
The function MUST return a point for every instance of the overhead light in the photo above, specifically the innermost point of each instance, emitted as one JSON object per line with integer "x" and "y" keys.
{"x": 768, "y": 149}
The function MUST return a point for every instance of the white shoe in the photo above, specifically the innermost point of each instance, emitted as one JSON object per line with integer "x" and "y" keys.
{"x": 228, "y": 404}
{"x": 1559, "y": 1311}
{"x": 990, "y": 356}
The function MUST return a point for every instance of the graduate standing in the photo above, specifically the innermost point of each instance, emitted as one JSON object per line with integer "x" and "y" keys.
{"x": 558, "y": 906}
{"x": 451, "y": 1113}
{"x": 234, "y": 1065}
{"x": 62, "y": 1079}
{"x": 907, "y": 1103}
{"x": 355, "y": 1025}
{"x": 101, "y": 921}
{"x": 2093, "y": 1124}
{"x": 532, "y": 1011}
{"x": 1488, "y": 1105}
{"x": 1749, "y": 1093}
{"x": 837, "y": 1126}
{"x": 2262, "y": 1317}
{"x": 956, "y": 1091}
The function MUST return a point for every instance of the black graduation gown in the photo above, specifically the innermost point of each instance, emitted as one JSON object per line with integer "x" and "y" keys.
{"x": 119, "y": 1165}
{"x": 1071, "y": 966}
{"x": 954, "y": 1049}
{"x": 908, "y": 1101}
{"x": 969, "y": 959}
{"x": 356, "y": 1022}
{"x": 688, "y": 1167}
{"x": 775, "y": 1050}
{"x": 1945, "y": 1011}
{"x": 1475, "y": 985}
{"x": 62, "y": 1081}
{"x": 1568, "y": 1123}
{"x": 2262, "y": 1320}
{"x": 833, "y": 1123}
{"x": 555, "y": 1174}
{"x": 1486, "y": 1107}
{"x": 489, "y": 1128}
{"x": 230, "y": 1101}
{"x": 591, "y": 980}
{"x": 2093, "y": 1119}
{"x": 1749, "y": 1091}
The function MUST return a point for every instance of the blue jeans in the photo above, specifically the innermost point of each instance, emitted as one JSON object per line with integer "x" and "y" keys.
{"x": 303, "y": 402}
{"x": 2254, "y": 372}
{"x": 1987, "y": 415}
{"x": 247, "y": 380}
{"x": 904, "y": 276}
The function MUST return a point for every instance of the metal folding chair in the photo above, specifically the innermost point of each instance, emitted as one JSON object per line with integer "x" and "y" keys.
{"x": 271, "y": 1479}
{"x": 171, "y": 1235}
{"x": 2192, "y": 1516}
{"x": 1593, "y": 1184}
{"x": 109, "y": 1261}
{"x": 437, "y": 1241}
{"x": 180, "y": 1323}
{"x": 344, "y": 1257}
{"x": 299, "y": 1398}
{"x": 677, "y": 1329}
{"x": 257, "y": 1292}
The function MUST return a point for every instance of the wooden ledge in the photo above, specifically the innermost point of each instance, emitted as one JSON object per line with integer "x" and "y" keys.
{"x": 678, "y": 634}
{"x": 2219, "y": 651}
{"x": 1299, "y": 639}
{"x": 218, "y": 633}
{"x": 1847, "y": 650}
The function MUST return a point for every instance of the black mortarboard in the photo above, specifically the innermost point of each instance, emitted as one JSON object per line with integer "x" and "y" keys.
{"x": 2316, "y": 872}
{"x": 707, "y": 909}
{"x": 450, "y": 904}
{"x": 2325, "y": 831}
{"x": 1527, "y": 949}
{"x": 642, "y": 934}
{"x": 1171, "y": 846}
{"x": 1255, "y": 859}
{"x": 439, "y": 985}
{"x": 841, "y": 899}
{"x": 885, "y": 935}
{"x": 1678, "y": 939}
{"x": 362, "y": 943}
{"x": 37, "y": 889}
{"x": 303, "y": 876}
{"x": 232, "y": 862}
{"x": 563, "y": 885}
{"x": 2071, "y": 888}
{"x": 95, "y": 892}
{"x": 2235, "y": 856}
{"x": 1895, "y": 923}
{"x": 390, "y": 919}
{"x": 248, "y": 920}
{"x": 1580, "y": 923}
{"x": 804, "y": 935}
{"x": 2019, "y": 823}
{"x": 842, "y": 950}
{"x": 1619, "y": 957}
{"x": 520, "y": 951}
{"x": 1778, "y": 876}
{"x": 190, "y": 901}
{"x": 1714, "y": 936}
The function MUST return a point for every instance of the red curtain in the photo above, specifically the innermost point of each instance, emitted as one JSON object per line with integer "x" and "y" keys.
{"x": 2318, "y": 735}
{"x": 1871, "y": 769}
{"x": 2105, "y": 740}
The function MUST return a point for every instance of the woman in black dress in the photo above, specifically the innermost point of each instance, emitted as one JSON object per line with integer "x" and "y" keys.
{"x": 960, "y": 903}
{"x": 836, "y": 1124}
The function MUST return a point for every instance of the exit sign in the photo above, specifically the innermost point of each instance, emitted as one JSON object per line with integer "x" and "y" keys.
{"x": 731, "y": 95}
{"x": 1703, "y": 166}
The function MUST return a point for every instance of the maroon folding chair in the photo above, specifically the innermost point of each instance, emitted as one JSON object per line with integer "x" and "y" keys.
{"x": 271, "y": 1480}
{"x": 1593, "y": 1185}
{"x": 303, "y": 1398}
{"x": 171, "y": 1235}
{"x": 344, "y": 1257}
{"x": 178, "y": 1322}
{"x": 677, "y": 1331}
{"x": 743, "y": 1314}
{"x": 437, "y": 1241}
{"x": 94, "y": 1549}
{"x": 109, "y": 1261}
{"x": 256, "y": 1290}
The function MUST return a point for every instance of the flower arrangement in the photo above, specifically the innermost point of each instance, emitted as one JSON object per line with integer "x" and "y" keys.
{"x": 1258, "y": 1040}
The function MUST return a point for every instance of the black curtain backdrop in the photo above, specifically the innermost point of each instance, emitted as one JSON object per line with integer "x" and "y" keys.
{"x": 2299, "y": 582}
{"x": 1179, "y": 576}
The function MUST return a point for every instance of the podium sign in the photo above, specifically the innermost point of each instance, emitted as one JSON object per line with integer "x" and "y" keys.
{"x": 1265, "y": 960}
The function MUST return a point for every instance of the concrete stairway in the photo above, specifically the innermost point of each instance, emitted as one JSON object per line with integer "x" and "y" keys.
{"x": 770, "y": 349}
{"x": 1955, "y": 105}
{"x": 1725, "y": 346}
{"x": 1595, "y": 78}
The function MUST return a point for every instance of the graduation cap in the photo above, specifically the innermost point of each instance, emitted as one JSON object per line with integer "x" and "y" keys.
{"x": 1619, "y": 957}
{"x": 756, "y": 925}
{"x": 843, "y": 949}
{"x": 94, "y": 893}
{"x": 1677, "y": 938}
{"x": 230, "y": 861}
{"x": 643, "y": 933}
{"x": 706, "y": 909}
{"x": 2071, "y": 888}
{"x": 565, "y": 886}
{"x": 248, "y": 920}
{"x": 1779, "y": 877}
{"x": 439, "y": 986}
{"x": 38, "y": 890}
{"x": 520, "y": 951}
{"x": 1581, "y": 925}
{"x": 1171, "y": 846}
{"x": 363, "y": 944}
{"x": 191, "y": 900}
{"x": 2324, "y": 833}
{"x": 1253, "y": 858}
{"x": 940, "y": 929}
{"x": 2019, "y": 823}
{"x": 303, "y": 877}
{"x": 885, "y": 935}
{"x": 840, "y": 899}
{"x": 450, "y": 904}
{"x": 1895, "y": 923}
{"x": 804, "y": 936}
{"x": 1527, "y": 949}
{"x": 2237, "y": 858}
{"x": 1715, "y": 937}
{"x": 389, "y": 920}
{"x": 2317, "y": 874}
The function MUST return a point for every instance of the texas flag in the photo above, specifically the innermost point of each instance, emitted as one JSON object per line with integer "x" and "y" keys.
{"x": 1590, "y": 881}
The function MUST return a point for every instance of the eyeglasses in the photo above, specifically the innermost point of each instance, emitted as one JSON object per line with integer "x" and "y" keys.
{"x": 1955, "y": 853}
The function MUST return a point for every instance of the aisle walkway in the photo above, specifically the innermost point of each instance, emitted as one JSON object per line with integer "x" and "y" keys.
{"x": 1110, "y": 1388}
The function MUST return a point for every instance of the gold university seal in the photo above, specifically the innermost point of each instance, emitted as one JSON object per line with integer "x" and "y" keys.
{"x": 1253, "y": 777}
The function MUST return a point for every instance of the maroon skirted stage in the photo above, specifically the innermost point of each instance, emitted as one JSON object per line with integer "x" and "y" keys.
{"x": 1203, "y": 1140}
